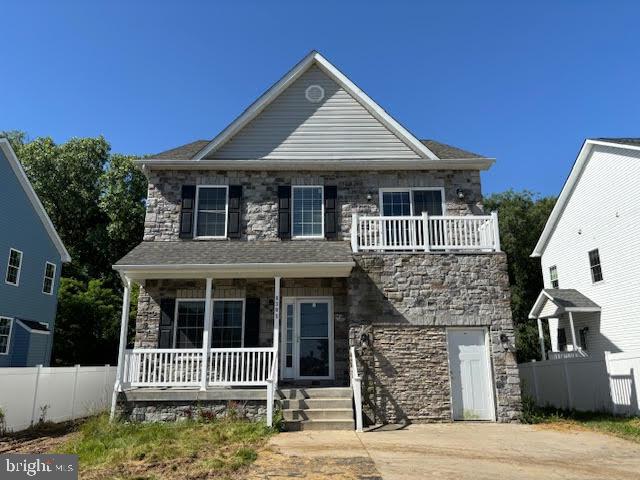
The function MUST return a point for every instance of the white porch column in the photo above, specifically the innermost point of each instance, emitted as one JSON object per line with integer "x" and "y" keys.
{"x": 124, "y": 328}
{"x": 541, "y": 339}
{"x": 276, "y": 323}
{"x": 573, "y": 332}
{"x": 206, "y": 341}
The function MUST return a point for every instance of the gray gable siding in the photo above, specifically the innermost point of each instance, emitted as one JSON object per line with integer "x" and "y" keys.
{"x": 23, "y": 230}
{"x": 291, "y": 127}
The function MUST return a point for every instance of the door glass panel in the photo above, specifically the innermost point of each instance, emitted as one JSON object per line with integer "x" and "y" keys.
{"x": 395, "y": 203}
{"x": 313, "y": 320}
{"x": 314, "y": 357}
{"x": 429, "y": 201}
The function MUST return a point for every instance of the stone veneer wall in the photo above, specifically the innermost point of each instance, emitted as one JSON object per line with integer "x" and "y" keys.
{"x": 404, "y": 302}
{"x": 260, "y": 195}
{"x": 148, "y": 317}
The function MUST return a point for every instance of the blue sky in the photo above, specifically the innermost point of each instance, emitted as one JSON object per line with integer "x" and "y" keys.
{"x": 522, "y": 82}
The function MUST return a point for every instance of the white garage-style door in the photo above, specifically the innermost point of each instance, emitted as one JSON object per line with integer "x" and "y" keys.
{"x": 471, "y": 382}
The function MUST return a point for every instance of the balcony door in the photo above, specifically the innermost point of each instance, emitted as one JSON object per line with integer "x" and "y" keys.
{"x": 307, "y": 340}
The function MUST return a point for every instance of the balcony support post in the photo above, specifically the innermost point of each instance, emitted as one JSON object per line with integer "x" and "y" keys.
{"x": 425, "y": 231}
{"x": 573, "y": 332}
{"x": 354, "y": 232}
{"x": 124, "y": 329}
{"x": 541, "y": 340}
{"x": 496, "y": 231}
{"x": 206, "y": 340}
{"x": 276, "y": 324}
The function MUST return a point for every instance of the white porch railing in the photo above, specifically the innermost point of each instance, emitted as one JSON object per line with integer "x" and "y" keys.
{"x": 356, "y": 385}
{"x": 425, "y": 233}
{"x": 183, "y": 367}
{"x": 568, "y": 354}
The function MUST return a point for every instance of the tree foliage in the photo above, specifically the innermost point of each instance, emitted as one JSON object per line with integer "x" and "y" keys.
{"x": 522, "y": 218}
{"x": 95, "y": 199}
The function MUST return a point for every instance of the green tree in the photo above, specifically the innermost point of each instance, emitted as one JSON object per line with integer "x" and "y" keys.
{"x": 522, "y": 218}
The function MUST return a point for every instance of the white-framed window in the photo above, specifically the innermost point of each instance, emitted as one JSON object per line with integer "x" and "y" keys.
{"x": 553, "y": 276}
{"x": 412, "y": 201}
{"x": 227, "y": 325}
{"x": 6, "y": 324}
{"x": 307, "y": 211}
{"x": 212, "y": 208}
{"x": 595, "y": 266}
{"x": 49, "y": 278}
{"x": 14, "y": 266}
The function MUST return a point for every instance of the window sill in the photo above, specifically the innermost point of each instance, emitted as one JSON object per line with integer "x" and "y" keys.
{"x": 12, "y": 284}
{"x": 317, "y": 237}
{"x": 211, "y": 238}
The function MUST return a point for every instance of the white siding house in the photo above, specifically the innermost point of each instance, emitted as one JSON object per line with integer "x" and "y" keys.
{"x": 590, "y": 244}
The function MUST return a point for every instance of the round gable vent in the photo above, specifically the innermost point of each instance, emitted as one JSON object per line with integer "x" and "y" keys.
{"x": 314, "y": 93}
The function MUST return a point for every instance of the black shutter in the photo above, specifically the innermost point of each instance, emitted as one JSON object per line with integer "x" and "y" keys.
{"x": 331, "y": 212}
{"x": 252, "y": 323}
{"x": 284, "y": 211}
{"x": 167, "y": 311}
{"x": 187, "y": 211}
{"x": 234, "y": 229}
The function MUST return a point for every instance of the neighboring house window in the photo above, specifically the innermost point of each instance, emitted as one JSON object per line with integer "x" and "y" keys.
{"x": 189, "y": 324}
{"x": 211, "y": 204}
{"x": 414, "y": 201}
{"x": 5, "y": 334}
{"x": 553, "y": 275}
{"x": 562, "y": 340}
{"x": 596, "y": 269}
{"x": 583, "y": 338}
{"x": 49, "y": 277}
{"x": 13, "y": 267}
{"x": 307, "y": 211}
{"x": 227, "y": 325}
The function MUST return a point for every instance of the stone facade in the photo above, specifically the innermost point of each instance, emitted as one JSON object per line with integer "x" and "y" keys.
{"x": 159, "y": 411}
{"x": 404, "y": 303}
{"x": 260, "y": 195}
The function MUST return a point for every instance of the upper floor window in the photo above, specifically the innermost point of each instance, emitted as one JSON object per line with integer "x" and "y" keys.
{"x": 5, "y": 334}
{"x": 49, "y": 278}
{"x": 594, "y": 263}
{"x": 411, "y": 201}
{"x": 553, "y": 276}
{"x": 14, "y": 266}
{"x": 307, "y": 211}
{"x": 211, "y": 214}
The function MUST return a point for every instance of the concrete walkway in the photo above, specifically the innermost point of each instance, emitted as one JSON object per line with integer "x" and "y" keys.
{"x": 467, "y": 451}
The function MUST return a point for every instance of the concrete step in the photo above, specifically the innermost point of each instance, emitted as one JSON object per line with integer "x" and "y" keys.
{"x": 294, "y": 426}
{"x": 297, "y": 404}
{"x": 315, "y": 392}
{"x": 318, "y": 414}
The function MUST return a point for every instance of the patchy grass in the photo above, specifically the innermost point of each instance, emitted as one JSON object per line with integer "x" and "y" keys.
{"x": 180, "y": 450}
{"x": 623, "y": 427}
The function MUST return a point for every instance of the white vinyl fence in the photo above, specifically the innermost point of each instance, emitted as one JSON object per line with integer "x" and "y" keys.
{"x": 601, "y": 383}
{"x": 55, "y": 394}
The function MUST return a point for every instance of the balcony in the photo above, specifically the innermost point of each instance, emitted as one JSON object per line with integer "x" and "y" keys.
{"x": 472, "y": 233}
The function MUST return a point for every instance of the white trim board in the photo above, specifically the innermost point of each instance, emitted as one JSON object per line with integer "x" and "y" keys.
{"x": 8, "y": 335}
{"x": 314, "y": 58}
{"x": 31, "y": 330}
{"x": 569, "y": 187}
{"x": 35, "y": 201}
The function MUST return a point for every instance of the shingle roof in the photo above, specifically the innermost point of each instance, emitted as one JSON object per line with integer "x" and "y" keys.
{"x": 183, "y": 152}
{"x": 624, "y": 141}
{"x": 235, "y": 252}
{"x": 569, "y": 298}
{"x": 444, "y": 151}
{"x": 33, "y": 325}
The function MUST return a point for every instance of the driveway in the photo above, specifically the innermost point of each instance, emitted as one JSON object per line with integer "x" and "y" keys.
{"x": 460, "y": 451}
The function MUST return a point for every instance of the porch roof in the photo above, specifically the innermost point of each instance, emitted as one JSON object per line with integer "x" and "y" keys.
{"x": 237, "y": 259}
{"x": 553, "y": 302}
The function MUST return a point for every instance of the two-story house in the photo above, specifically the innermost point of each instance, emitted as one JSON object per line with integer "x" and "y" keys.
{"x": 587, "y": 251}
{"x": 31, "y": 256}
{"x": 318, "y": 253}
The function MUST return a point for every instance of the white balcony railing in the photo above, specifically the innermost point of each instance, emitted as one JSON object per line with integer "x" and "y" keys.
{"x": 184, "y": 367}
{"x": 425, "y": 233}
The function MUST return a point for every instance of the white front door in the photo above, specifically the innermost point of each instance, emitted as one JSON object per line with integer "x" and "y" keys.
{"x": 307, "y": 343}
{"x": 471, "y": 380}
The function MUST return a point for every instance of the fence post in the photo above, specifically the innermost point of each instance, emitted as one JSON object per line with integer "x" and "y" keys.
{"x": 35, "y": 394}
{"x": 607, "y": 364}
{"x": 354, "y": 232}
{"x": 496, "y": 231}
{"x": 105, "y": 388}
{"x": 75, "y": 390}
{"x": 534, "y": 369}
{"x": 567, "y": 382}
{"x": 425, "y": 231}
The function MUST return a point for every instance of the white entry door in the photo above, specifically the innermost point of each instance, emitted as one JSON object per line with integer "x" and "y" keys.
{"x": 471, "y": 379}
{"x": 307, "y": 343}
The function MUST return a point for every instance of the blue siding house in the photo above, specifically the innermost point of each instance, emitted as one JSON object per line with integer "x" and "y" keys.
{"x": 31, "y": 257}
